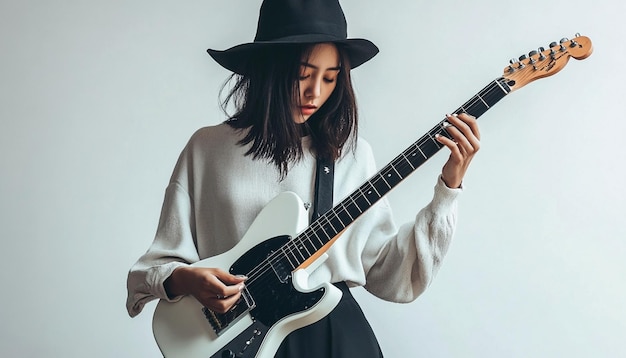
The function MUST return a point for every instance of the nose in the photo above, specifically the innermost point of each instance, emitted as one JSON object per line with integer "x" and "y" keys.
{"x": 313, "y": 88}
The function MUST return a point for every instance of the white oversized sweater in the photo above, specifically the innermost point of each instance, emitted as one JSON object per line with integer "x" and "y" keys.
{"x": 216, "y": 191}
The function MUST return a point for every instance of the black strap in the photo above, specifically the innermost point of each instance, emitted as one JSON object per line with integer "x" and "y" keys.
{"x": 344, "y": 332}
{"x": 324, "y": 178}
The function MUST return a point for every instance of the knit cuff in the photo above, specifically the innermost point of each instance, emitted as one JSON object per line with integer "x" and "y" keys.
{"x": 158, "y": 276}
{"x": 445, "y": 196}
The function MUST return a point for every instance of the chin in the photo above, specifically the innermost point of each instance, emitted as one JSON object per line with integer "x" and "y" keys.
{"x": 300, "y": 119}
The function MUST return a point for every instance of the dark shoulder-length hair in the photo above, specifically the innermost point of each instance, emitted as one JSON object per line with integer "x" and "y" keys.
{"x": 264, "y": 99}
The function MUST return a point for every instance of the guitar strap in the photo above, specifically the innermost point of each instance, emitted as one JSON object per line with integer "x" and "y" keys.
{"x": 324, "y": 178}
{"x": 344, "y": 332}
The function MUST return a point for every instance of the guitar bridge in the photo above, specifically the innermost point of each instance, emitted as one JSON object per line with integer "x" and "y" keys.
{"x": 221, "y": 321}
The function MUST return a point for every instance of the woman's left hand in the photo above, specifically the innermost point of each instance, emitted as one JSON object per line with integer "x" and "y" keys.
{"x": 466, "y": 143}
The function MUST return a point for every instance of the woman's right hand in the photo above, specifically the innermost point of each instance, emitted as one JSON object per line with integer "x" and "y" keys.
{"x": 214, "y": 288}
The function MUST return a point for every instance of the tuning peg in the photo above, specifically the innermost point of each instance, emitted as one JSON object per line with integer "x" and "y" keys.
{"x": 541, "y": 55}
{"x": 553, "y": 44}
{"x": 511, "y": 66}
{"x": 552, "y": 54}
{"x": 523, "y": 57}
{"x": 563, "y": 40}
{"x": 514, "y": 62}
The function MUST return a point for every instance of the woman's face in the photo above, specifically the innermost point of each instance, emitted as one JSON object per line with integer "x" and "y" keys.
{"x": 318, "y": 79}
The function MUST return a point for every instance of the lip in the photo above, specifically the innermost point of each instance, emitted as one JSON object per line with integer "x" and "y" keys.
{"x": 308, "y": 109}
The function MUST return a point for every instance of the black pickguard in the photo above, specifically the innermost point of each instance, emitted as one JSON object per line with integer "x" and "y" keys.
{"x": 274, "y": 295}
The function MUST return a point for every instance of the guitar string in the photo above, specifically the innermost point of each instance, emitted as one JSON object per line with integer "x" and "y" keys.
{"x": 262, "y": 267}
{"x": 317, "y": 226}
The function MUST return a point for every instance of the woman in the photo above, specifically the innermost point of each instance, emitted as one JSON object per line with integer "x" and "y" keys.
{"x": 294, "y": 104}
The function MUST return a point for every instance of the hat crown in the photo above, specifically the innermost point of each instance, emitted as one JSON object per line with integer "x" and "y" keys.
{"x": 290, "y": 22}
{"x": 283, "y": 19}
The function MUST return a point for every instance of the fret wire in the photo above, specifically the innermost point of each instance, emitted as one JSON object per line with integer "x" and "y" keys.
{"x": 309, "y": 246}
{"x": 489, "y": 87}
{"x": 407, "y": 159}
{"x": 362, "y": 202}
{"x": 479, "y": 97}
{"x": 296, "y": 252}
{"x": 338, "y": 218}
{"x": 363, "y": 195}
{"x": 380, "y": 185}
{"x": 495, "y": 96}
{"x": 287, "y": 256}
{"x": 335, "y": 231}
{"x": 299, "y": 252}
{"x": 290, "y": 246}
{"x": 318, "y": 239}
{"x": 321, "y": 226}
{"x": 371, "y": 191}
{"x": 385, "y": 180}
{"x": 398, "y": 163}
{"x": 355, "y": 204}
{"x": 315, "y": 230}
{"x": 303, "y": 246}
{"x": 395, "y": 170}
{"x": 437, "y": 144}
{"x": 335, "y": 223}
{"x": 373, "y": 187}
{"x": 401, "y": 168}
{"x": 306, "y": 235}
{"x": 502, "y": 88}
{"x": 348, "y": 213}
{"x": 420, "y": 149}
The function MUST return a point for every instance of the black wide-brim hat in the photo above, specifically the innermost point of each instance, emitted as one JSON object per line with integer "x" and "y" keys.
{"x": 285, "y": 22}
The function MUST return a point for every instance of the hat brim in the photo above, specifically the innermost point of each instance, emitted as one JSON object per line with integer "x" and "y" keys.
{"x": 234, "y": 59}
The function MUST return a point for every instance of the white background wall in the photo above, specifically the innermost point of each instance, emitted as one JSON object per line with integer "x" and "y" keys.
{"x": 98, "y": 98}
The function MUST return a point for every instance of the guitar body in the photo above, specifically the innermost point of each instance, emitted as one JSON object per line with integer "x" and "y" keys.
{"x": 277, "y": 303}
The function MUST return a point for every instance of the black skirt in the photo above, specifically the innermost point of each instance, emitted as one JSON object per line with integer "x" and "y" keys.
{"x": 344, "y": 333}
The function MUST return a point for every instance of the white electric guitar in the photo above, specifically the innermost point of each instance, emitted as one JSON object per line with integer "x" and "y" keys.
{"x": 279, "y": 249}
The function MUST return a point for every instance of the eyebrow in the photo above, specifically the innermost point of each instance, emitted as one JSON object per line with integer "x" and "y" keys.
{"x": 306, "y": 64}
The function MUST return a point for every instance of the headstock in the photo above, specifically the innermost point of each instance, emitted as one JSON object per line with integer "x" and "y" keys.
{"x": 546, "y": 62}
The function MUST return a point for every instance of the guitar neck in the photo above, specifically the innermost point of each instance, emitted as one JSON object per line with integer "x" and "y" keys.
{"x": 323, "y": 230}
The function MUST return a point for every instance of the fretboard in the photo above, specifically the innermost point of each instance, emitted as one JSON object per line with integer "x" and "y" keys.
{"x": 334, "y": 221}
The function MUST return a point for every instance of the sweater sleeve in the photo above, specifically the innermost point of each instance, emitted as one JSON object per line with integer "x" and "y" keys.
{"x": 400, "y": 265}
{"x": 173, "y": 246}
{"x": 395, "y": 263}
